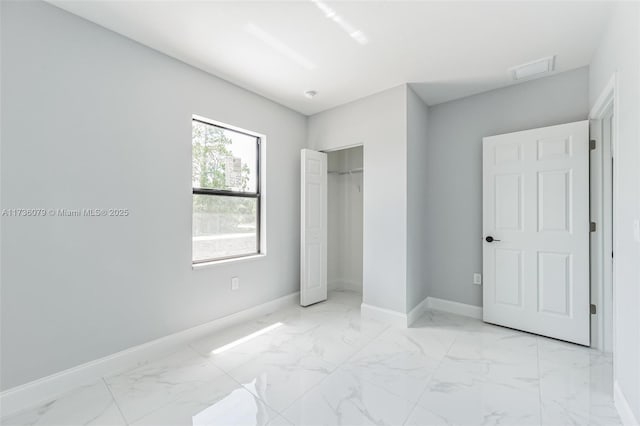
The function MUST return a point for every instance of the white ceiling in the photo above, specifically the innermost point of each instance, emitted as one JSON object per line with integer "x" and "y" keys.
{"x": 282, "y": 49}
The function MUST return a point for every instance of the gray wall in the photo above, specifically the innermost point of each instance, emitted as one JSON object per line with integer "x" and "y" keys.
{"x": 92, "y": 119}
{"x": 619, "y": 52}
{"x": 453, "y": 182}
{"x": 417, "y": 153}
{"x": 378, "y": 122}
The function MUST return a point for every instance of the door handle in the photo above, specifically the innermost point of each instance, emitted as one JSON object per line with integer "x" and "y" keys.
{"x": 490, "y": 239}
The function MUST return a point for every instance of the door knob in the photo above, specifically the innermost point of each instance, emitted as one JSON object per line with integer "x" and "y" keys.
{"x": 490, "y": 239}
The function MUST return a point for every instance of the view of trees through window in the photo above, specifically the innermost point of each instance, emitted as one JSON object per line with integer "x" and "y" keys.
{"x": 225, "y": 192}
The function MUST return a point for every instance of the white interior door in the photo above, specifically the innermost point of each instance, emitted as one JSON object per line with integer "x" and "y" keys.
{"x": 536, "y": 231}
{"x": 313, "y": 256}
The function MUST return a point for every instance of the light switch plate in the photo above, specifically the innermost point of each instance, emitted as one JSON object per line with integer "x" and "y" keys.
{"x": 477, "y": 278}
{"x": 235, "y": 283}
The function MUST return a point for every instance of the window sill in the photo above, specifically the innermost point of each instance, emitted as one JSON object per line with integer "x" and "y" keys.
{"x": 205, "y": 265}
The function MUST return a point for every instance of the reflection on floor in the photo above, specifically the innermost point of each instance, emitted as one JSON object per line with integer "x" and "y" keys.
{"x": 324, "y": 365}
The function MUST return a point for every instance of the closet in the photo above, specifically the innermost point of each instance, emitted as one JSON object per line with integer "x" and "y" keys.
{"x": 344, "y": 219}
{"x": 331, "y": 223}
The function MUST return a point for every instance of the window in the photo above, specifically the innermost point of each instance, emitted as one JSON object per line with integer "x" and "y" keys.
{"x": 226, "y": 192}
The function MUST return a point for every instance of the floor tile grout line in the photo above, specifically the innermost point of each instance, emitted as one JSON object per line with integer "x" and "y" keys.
{"x": 363, "y": 347}
{"x": 233, "y": 379}
{"x": 539, "y": 378}
{"x": 415, "y": 404}
{"x": 385, "y": 329}
{"x": 337, "y": 367}
{"x": 379, "y": 386}
{"x": 166, "y": 404}
{"x": 113, "y": 397}
{"x": 176, "y": 397}
{"x": 278, "y": 413}
{"x": 457, "y": 334}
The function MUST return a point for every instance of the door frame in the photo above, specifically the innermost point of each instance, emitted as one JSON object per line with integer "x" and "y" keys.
{"x": 603, "y": 196}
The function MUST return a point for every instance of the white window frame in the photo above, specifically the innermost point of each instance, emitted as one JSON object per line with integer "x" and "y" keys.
{"x": 260, "y": 196}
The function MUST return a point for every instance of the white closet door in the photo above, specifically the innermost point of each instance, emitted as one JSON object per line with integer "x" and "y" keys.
{"x": 313, "y": 256}
{"x": 536, "y": 231}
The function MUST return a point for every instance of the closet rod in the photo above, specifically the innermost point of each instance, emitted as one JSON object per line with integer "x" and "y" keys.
{"x": 347, "y": 172}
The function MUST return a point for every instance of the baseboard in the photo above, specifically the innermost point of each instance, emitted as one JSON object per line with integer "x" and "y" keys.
{"x": 42, "y": 390}
{"x": 623, "y": 407}
{"x": 345, "y": 285}
{"x": 416, "y": 312}
{"x": 352, "y": 286}
{"x": 454, "y": 307}
{"x": 384, "y": 315}
{"x": 405, "y": 320}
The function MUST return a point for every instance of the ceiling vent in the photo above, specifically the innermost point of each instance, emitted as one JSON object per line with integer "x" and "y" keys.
{"x": 534, "y": 69}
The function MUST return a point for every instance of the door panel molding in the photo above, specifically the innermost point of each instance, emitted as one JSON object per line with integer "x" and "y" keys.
{"x": 313, "y": 227}
{"x": 536, "y": 208}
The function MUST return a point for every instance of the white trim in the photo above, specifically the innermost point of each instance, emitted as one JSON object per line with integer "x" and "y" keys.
{"x": 341, "y": 284}
{"x": 607, "y": 95}
{"x": 454, "y": 307}
{"x": 596, "y": 239}
{"x": 388, "y": 316}
{"x": 226, "y": 126}
{"x": 340, "y": 148}
{"x": 352, "y": 286}
{"x": 416, "y": 312}
{"x": 42, "y": 390}
{"x": 623, "y": 407}
{"x": 213, "y": 263}
{"x": 442, "y": 305}
{"x": 602, "y": 272}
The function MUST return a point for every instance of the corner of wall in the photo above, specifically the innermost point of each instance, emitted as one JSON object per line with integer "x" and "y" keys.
{"x": 416, "y": 137}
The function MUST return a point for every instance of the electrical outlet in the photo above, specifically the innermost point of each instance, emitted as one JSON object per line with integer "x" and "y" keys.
{"x": 477, "y": 278}
{"x": 235, "y": 283}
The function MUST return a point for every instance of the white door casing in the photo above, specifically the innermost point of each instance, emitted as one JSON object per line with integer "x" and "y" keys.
{"x": 536, "y": 207}
{"x": 313, "y": 233}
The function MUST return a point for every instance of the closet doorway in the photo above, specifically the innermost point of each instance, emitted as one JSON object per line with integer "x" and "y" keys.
{"x": 331, "y": 224}
{"x": 344, "y": 219}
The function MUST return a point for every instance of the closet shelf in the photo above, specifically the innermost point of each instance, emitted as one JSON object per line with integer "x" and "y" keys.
{"x": 346, "y": 172}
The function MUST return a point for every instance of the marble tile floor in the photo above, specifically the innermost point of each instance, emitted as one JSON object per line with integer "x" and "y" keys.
{"x": 325, "y": 365}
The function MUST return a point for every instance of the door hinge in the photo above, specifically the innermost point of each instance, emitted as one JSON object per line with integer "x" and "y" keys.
{"x": 592, "y": 144}
{"x": 592, "y": 227}
{"x": 593, "y": 309}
